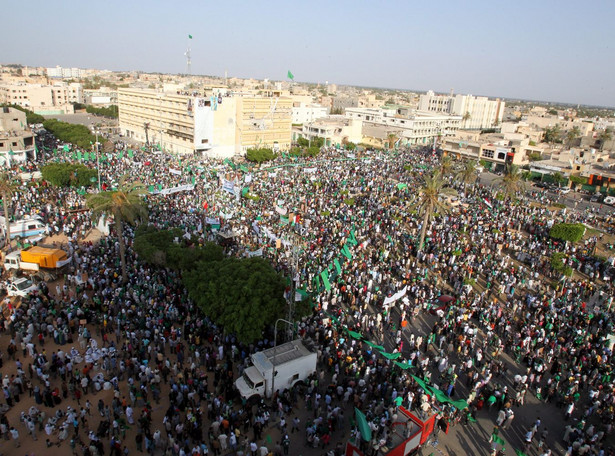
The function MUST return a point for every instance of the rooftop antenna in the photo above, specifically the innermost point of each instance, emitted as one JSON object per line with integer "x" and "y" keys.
{"x": 187, "y": 54}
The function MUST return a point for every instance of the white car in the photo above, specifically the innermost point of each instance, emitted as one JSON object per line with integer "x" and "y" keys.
{"x": 21, "y": 287}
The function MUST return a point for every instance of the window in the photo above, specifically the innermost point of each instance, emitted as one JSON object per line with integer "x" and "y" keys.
{"x": 487, "y": 153}
{"x": 204, "y": 141}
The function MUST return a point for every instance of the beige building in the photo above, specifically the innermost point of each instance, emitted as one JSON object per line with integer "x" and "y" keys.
{"x": 498, "y": 152}
{"x": 412, "y": 127}
{"x": 207, "y": 123}
{"x": 43, "y": 99}
{"x": 16, "y": 139}
{"x": 335, "y": 130}
{"x": 476, "y": 112}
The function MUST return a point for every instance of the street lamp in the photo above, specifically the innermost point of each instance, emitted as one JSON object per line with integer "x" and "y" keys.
{"x": 98, "y": 160}
{"x": 275, "y": 346}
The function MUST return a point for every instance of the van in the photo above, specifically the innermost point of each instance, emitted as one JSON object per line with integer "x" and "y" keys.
{"x": 25, "y": 228}
{"x": 610, "y": 200}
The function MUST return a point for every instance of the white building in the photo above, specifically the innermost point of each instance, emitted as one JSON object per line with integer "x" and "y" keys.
{"x": 63, "y": 73}
{"x": 417, "y": 127}
{"x": 43, "y": 99}
{"x": 476, "y": 112}
{"x": 305, "y": 113}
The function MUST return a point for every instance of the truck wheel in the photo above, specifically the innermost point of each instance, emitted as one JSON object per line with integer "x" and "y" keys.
{"x": 253, "y": 400}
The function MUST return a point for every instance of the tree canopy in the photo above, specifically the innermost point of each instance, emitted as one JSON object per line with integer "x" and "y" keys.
{"x": 80, "y": 135}
{"x": 243, "y": 295}
{"x": 571, "y": 232}
{"x": 260, "y": 155}
{"x": 68, "y": 174}
{"x": 110, "y": 111}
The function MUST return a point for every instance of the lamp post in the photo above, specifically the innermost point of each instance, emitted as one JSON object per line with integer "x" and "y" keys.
{"x": 98, "y": 160}
{"x": 275, "y": 346}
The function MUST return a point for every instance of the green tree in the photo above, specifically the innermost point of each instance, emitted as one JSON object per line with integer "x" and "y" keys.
{"x": 572, "y": 135}
{"x": 558, "y": 178}
{"x": 260, "y": 155}
{"x": 605, "y": 136}
{"x": 446, "y": 165}
{"x": 552, "y": 134}
{"x": 430, "y": 197}
{"x": 467, "y": 174}
{"x": 109, "y": 111}
{"x": 79, "y": 135}
{"x": 571, "y": 232}
{"x": 512, "y": 181}
{"x": 7, "y": 188}
{"x": 68, "y": 174}
{"x": 242, "y": 295}
{"x": 125, "y": 205}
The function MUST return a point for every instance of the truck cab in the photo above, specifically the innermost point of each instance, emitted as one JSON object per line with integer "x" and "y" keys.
{"x": 251, "y": 384}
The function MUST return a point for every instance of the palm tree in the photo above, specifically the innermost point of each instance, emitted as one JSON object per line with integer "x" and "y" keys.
{"x": 572, "y": 134}
{"x": 446, "y": 164}
{"x": 467, "y": 116}
{"x": 552, "y": 134}
{"x": 7, "y": 188}
{"x": 558, "y": 178}
{"x": 605, "y": 136}
{"x": 430, "y": 198}
{"x": 467, "y": 174}
{"x": 125, "y": 205}
{"x": 512, "y": 182}
{"x": 392, "y": 138}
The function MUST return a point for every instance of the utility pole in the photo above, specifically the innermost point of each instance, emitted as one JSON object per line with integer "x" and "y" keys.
{"x": 275, "y": 346}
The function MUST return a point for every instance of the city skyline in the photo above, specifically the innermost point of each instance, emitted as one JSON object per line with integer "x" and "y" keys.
{"x": 482, "y": 48}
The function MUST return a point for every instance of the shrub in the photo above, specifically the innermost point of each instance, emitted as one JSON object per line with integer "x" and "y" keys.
{"x": 557, "y": 263}
{"x": 260, "y": 155}
{"x": 571, "y": 232}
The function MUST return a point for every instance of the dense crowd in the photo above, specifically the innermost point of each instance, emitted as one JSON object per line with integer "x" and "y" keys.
{"x": 146, "y": 368}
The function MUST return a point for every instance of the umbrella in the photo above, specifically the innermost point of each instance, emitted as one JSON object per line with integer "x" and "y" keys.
{"x": 446, "y": 298}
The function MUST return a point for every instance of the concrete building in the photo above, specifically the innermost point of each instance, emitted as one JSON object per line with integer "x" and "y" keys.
{"x": 335, "y": 130}
{"x": 305, "y": 113}
{"x": 206, "y": 123}
{"x": 64, "y": 73}
{"x": 104, "y": 96}
{"x": 16, "y": 139}
{"x": 416, "y": 127}
{"x": 43, "y": 99}
{"x": 476, "y": 112}
{"x": 498, "y": 152}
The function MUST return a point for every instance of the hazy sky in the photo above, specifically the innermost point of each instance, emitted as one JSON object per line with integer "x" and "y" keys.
{"x": 548, "y": 50}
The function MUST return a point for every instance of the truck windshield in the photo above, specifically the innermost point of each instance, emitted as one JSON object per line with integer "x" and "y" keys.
{"x": 23, "y": 285}
{"x": 248, "y": 381}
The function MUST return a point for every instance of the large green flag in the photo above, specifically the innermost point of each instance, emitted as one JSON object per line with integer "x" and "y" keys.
{"x": 190, "y": 37}
{"x": 86, "y": 156}
{"x": 325, "y": 280}
{"x": 422, "y": 384}
{"x": 390, "y": 355}
{"x": 364, "y": 429}
{"x": 403, "y": 365}
{"x": 377, "y": 347}
{"x": 290, "y": 76}
{"x": 337, "y": 266}
{"x": 355, "y": 335}
{"x": 346, "y": 252}
{"x": 66, "y": 148}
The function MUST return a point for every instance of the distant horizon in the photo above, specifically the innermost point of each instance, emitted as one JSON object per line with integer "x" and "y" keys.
{"x": 478, "y": 47}
{"x": 438, "y": 92}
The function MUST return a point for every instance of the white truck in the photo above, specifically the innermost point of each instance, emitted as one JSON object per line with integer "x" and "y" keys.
{"x": 294, "y": 362}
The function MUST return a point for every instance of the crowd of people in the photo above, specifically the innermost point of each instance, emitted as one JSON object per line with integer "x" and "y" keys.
{"x": 110, "y": 366}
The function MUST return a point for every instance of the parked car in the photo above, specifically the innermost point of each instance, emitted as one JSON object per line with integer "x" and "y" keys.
{"x": 21, "y": 287}
{"x": 597, "y": 198}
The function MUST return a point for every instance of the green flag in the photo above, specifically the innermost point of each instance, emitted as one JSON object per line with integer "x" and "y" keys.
{"x": 79, "y": 155}
{"x": 190, "y": 37}
{"x": 401, "y": 186}
{"x": 355, "y": 335}
{"x": 290, "y": 76}
{"x": 131, "y": 153}
{"x": 325, "y": 280}
{"x": 497, "y": 439}
{"x": 86, "y": 156}
{"x": 65, "y": 148}
{"x": 346, "y": 252}
{"x": 520, "y": 453}
{"x": 471, "y": 419}
{"x": 390, "y": 355}
{"x": 422, "y": 384}
{"x": 377, "y": 347}
{"x": 337, "y": 266}
{"x": 364, "y": 429}
{"x": 403, "y": 365}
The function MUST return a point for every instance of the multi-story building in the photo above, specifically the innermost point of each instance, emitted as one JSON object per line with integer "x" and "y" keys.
{"x": 104, "y": 96}
{"x": 64, "y": 73}
{"x": 335, "y": 130}
{"x": 43, "y": 99}
{"x": 205, "y": 122}
{"x": 476, "y": 112}
{"x": 305, "y": 113}
{"x": 497, "y": 152}
{"x": 412, "y": 127}
{"x": 16, "y": 140}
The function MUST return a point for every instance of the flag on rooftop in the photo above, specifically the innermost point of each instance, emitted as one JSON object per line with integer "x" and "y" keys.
{"x": 190, "y": 36}
{"x": 290, "y": 75}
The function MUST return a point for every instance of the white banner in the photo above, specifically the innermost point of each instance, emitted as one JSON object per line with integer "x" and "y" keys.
{"x": 212, "y": 220}
{"x": 175, "y": 171}
{"x": 228, "y": 186}
{"x": 280, "y": 210}
{"x": 400, "y": 294}
{"x": 168, "y": 191}
{"x": 248, "y": 178}
{"x": 310, "y": 170}
{"x": 258, "y": 252}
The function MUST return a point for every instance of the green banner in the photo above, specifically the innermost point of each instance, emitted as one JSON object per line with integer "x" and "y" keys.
{"x": 363, "y": 425}
{"x": 325, "y": 280}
